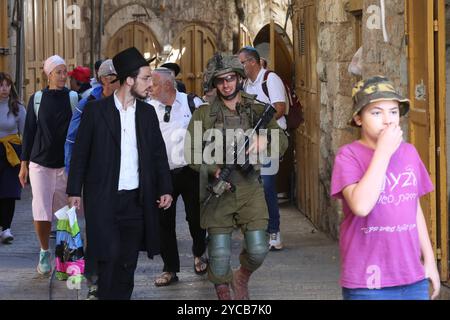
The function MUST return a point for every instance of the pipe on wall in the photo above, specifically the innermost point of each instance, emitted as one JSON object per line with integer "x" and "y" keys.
{"x": 383, "y": 21}
{"x": 92, "y": 57}
{"x": 17, "y": 23}
{"x": 101, "y": 30}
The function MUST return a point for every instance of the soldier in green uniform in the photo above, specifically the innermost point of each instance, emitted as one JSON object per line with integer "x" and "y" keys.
{"x": 242, "y": 204}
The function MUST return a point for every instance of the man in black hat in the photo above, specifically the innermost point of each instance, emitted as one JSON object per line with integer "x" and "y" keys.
{"x": 176, "y": 70}
{"x": 120, "y": 163}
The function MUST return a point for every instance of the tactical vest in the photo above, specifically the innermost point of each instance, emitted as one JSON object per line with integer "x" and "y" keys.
{"x": 223, "y": 119}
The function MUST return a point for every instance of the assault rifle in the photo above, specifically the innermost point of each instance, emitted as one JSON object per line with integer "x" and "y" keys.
{"x": 222, "y": 183}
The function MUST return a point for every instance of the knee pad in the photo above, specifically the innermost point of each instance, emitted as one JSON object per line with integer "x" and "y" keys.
{"x": 256, "y": 246}
{"x": 219, "y": 249}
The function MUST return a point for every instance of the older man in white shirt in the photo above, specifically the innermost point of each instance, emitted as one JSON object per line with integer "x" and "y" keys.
{"x": 276, "y": 96}
{"x": 174, "y": 114}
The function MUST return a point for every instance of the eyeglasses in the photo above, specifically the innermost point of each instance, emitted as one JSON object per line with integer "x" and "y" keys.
{"x": 228, "y": 79}
{"x": 167, "y": 114}
{"x": 246, "y": 60}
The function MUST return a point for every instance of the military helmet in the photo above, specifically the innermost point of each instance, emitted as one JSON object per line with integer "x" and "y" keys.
{"x": 220, "y": 64}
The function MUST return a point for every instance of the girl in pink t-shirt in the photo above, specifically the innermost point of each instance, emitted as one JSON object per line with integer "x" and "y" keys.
{"x": 386, "y": 252}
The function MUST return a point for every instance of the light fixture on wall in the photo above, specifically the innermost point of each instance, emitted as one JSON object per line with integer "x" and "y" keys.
{"x": 139, "y": 16}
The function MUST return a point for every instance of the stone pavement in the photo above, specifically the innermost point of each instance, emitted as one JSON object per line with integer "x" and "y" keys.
{"x": 307, "y": 268}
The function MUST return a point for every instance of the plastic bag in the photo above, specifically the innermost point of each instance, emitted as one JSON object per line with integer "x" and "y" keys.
{"x": 69, "y": 250}
{"x": 355, "y": 67}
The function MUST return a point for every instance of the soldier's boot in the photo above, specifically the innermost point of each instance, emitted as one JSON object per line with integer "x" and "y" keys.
{"x": 240, "y": 283}
{"x": 223, "y": 291}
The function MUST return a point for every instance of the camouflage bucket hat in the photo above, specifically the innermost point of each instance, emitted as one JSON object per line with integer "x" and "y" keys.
{"x": 375, "y": 89}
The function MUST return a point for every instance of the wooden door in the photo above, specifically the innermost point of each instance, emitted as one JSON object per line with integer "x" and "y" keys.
{"x": 191, "y": 50}
{"x": 4, "y": 35}
{"x": 283, "y": 66}
{"x": 426, "y": 59}
{"x": 137, "y": 35}
{"x": 46, "y": 34}
{"x": 280, "y": 59}
{"x": 307, "y": 88}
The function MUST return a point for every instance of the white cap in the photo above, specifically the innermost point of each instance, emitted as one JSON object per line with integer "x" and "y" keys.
{"x": 51, "y": 63}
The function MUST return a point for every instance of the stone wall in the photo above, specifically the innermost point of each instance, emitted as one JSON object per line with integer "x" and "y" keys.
{"x": 387, "y": 58}
{"x": 166, "y": 19}
{"x": 258, "y": 13}
{"x": 11, "y": 58}
{"x": 336, "y": 47}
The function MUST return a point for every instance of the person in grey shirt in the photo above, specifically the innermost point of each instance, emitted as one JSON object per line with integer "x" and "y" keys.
{"x": 12, "y": 121}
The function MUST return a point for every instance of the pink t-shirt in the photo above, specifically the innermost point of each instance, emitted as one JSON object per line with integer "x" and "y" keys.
{"x": 382, "y": 249}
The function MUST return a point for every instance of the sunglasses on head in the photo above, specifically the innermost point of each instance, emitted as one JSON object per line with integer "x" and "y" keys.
{"x": 228, "y": 79}
{"x": 167, "y": 113}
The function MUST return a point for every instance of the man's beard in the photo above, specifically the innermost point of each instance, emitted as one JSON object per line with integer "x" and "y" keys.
{"x": 134, "y": 93}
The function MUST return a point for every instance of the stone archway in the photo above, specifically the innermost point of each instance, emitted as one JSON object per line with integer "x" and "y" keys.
{"x": 134, "y": 34}
{"x": 126, "y": 15}
{"x": 279, "y": 53}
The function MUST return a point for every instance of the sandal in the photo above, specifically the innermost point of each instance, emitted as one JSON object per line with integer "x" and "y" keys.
{"x": 200, "y": 265}
{"x": 165, "y": 279}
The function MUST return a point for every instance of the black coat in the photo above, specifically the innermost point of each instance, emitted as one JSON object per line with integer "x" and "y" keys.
{"x": 95, "y": 168}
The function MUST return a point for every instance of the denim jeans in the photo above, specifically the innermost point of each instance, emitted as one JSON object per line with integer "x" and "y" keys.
{"x": 415, "y": 291}
{"x": 270, "y": 193}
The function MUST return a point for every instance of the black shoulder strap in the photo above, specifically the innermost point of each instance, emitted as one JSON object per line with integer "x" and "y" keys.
{"x": 191, "y": 102}
{"x": 264, "y": 83}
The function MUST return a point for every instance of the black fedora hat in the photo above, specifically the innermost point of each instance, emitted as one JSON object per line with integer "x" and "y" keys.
{"x": 172, "y": 66}
{"x": 128, "y": 61}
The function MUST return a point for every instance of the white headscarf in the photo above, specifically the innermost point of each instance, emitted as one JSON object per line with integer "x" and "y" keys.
{"x": 51, "y": 63}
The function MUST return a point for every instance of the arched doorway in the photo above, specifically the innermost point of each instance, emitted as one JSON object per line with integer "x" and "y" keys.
{"x": 134, "y": 34}
{"x": 278, "y": 51}
{"x": 191, "y": 51}
{"x": 273, "y": 44}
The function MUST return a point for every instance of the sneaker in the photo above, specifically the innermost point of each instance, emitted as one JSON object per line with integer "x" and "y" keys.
{"x": 44, "y": 267}
{"x": 92, "y": 294}
{"x": 6, "y": 236}
{"x": 275, "y": 242}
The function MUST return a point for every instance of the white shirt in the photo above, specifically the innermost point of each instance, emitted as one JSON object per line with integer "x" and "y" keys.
{"x": 174, "y": 131}
{"x": 275, "y": 87}
{"x": 129, "y": 159}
